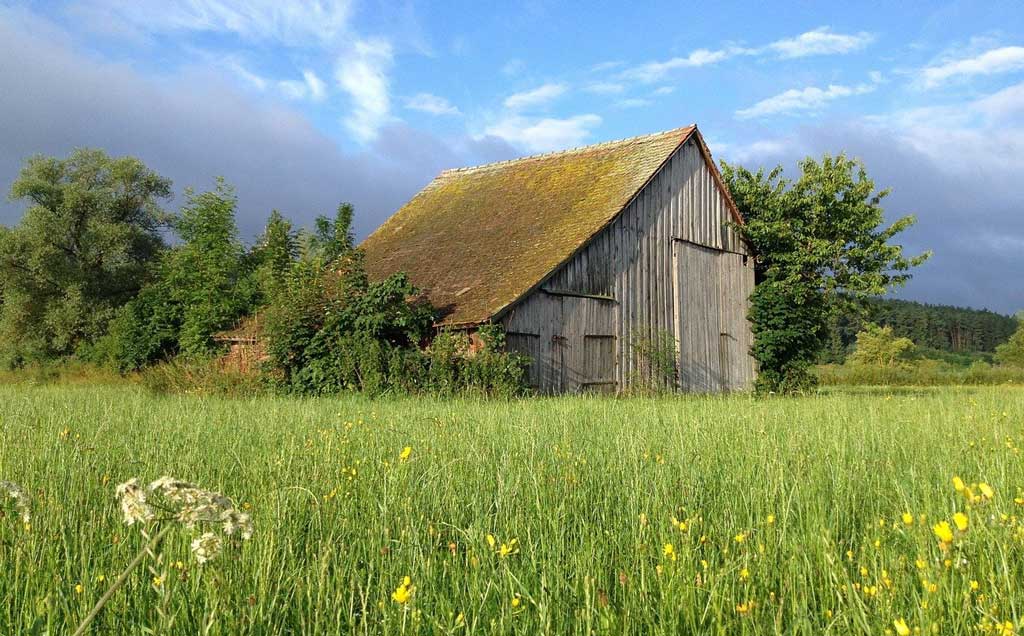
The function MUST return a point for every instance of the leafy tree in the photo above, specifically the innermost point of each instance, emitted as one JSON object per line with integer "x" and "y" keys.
{"x": 819, "y": 240}
{"x": 206, "y": 274}
{"x": 85, "y": 246}
{"x": 272, "y": 256}
{"x": 1011, "y": 353}
{"x": 878, "y": 346}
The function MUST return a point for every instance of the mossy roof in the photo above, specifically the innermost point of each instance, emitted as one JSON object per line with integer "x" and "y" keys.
{"x": 476, "y": 240}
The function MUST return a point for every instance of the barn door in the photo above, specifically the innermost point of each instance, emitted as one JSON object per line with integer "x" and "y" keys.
{"x": 711, "y": 288}
{"x": 698, "y": 317}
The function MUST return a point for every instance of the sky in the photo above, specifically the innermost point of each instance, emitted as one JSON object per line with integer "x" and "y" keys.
{"x": 302, "y": 104}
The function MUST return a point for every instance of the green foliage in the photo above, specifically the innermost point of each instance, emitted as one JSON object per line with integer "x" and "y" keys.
{"x": 936, "y": 328}
{"x": 206, "y": 275}
{"x": 878, "y": 346}
{"x": 657, "y": 357}
{"x": 920, "y": 372}
{"x": 272, "y": 256}
{"x": 819, "y": 239}
{"x": 1011, "y": 353}
{"x": 85, "y": 246}
{"x": 202, "y": 286}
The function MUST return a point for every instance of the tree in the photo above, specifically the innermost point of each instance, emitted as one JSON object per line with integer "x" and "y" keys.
{"x": 818, "y": 241}
{"x": 1011, "y": 353}
{"x": 85, "y": 246}
{"x": 206, "y": 274}
{"x": 880, "y": 347}
{"x": 272, "y": 256}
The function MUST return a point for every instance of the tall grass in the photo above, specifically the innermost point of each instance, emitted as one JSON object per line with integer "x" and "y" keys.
{"x": 788, "y": 513}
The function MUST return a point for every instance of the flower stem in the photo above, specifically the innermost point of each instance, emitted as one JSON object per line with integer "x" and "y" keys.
{"x": 116, "y": 585}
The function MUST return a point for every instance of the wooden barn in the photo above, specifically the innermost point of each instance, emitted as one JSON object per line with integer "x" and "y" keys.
{"x": 588, "y": 258}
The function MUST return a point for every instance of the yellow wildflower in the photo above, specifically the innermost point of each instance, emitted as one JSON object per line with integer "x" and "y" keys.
{"x": 744, "y": 607}
{"x": 986, "y": 490}
{"x": 908, "y": 519}
{"x": 515, "y": 601}
{"x": 960, "y": 519}
{"x": 744, "y": 574}
{"x": 901, "y": 627}
{"x": 943, "y": 532}
{"x": 403, "y": 592}
{"x": 958, "y": 484}
{"x": 509, "y": 548}
{"x": 974, "y": 586}
{"x": 669, "y": 551}
{"x": 406, "y": 452}
{"x": 79, "y": 588}
{"x": 740, "y": 538}
{"x": 491, "y": 541}
{"x": 770, "y": 519}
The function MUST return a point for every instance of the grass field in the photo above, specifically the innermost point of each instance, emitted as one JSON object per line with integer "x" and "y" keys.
{"x": 783, "y": 516}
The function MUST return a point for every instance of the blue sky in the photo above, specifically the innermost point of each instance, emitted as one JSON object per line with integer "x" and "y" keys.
{"x": 304, "y": 104}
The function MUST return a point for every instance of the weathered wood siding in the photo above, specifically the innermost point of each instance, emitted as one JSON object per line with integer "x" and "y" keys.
{"x": 668, "y": 265}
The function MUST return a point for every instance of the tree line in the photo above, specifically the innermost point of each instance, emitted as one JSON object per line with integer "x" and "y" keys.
{"x": 942, "y": 328}
{"x": 98, "y": 270}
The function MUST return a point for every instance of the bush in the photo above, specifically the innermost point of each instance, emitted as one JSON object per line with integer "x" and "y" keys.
{"x": 919, "y": 373}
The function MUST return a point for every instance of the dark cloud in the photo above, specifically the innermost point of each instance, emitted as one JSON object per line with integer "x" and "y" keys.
{"x": 969, "y": 214}
{"x": 195, "y": 126}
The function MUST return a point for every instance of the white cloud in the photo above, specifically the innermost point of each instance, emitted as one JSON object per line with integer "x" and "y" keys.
{"x": 1004, "y": 104}
{"x": 664, "y": 90}
{"x": 820, "y": 41}
{"x": 653, "y": 71}
{"x": 363, "y": 74}
{"x": 535, "y": 97}
{"x": 810, "y": 98}
{"x": 606, "y": 66}
{"x": 310, "y": 86}
{"x": 428, "y": 103}
{"x": 238, "y": 68}
{"x": 542, "y": 135}
{"x": 633, "y": 102}
{"x": 513, "y": 67}
{"x": 316, "y": 86}
{"x": 291, "y": 21}
{"x": 605, "y": 88}
{"x": 1002, "y": 60}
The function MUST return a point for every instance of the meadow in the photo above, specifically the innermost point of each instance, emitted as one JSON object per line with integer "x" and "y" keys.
{"x": 829, "y": 514}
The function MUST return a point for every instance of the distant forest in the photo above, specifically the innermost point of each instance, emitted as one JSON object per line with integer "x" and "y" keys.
{"x": 940, "y": 328}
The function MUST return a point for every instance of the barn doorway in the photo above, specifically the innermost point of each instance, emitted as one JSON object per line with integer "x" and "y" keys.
{"x": 710, "y": 291}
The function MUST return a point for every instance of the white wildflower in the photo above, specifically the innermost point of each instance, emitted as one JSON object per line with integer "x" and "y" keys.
{"x": 20, "y": 497}
{"x": 206, "y": 547}
{"x": 133, "y": 502}
{"x": 235, "y": 521}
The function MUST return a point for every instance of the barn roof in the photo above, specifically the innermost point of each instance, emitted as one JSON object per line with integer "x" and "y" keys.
{"x": 476, "y": 240}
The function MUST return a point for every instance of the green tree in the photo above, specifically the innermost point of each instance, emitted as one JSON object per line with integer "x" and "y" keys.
{"x": 880, "y": 347}
{"x": 272, "y": 256}
{"x": 1011, "y": 352}
{"x": 819, "y": 240}
{"x": 85, "y": 246}
{"x": 206, "y": 275}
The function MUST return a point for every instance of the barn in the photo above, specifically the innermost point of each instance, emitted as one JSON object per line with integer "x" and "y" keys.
{"x": 600, "y": 262}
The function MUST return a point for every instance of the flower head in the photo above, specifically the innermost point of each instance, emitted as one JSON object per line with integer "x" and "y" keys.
{"x": 669, "y": 551}
{"x": 961, "y": 521}
{"x": 943, "y": 532}
{"x": 20, "y": 498}
{"x": 406, "y": 452}
{"x": 901, "y": 627}
{"x": 133, "y": 502}
{"x": 206, "y": 547}
{"x": 403, "y": 593}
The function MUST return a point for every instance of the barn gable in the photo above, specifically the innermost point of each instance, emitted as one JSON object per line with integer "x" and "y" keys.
{"x": 669, "y": 268}
{"x": 477, "y": 240}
